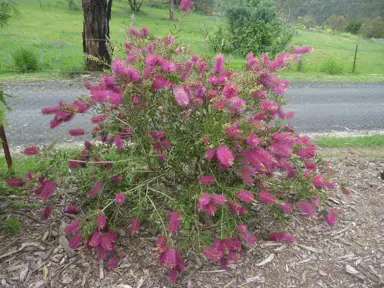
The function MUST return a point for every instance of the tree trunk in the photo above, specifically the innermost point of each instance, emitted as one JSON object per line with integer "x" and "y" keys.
{"x": 97, "y": 14}
{"x": 171, "y": 9}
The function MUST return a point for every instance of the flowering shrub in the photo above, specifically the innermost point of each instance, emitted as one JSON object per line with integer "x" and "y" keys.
{"x": 184, "y": 144}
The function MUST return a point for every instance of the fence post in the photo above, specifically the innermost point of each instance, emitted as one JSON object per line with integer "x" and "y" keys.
{"x": 301, "y": 62}
{"x": 354, "y": 61}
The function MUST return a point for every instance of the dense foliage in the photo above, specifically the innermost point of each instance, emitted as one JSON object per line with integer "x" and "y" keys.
{"x": 373, "y": 28}
{"x": 353, "y": 26}
{"x": 257, "y": 26}
{"x": 200, "y": 153}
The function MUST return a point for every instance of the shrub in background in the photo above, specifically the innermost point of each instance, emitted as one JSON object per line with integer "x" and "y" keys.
{"x": 257, "y": 26}
{"x": 25, "y": 60}
{"x": 353, "y": 26}
{"x": 373, "y": 28}
{"x": 307, "y": 21}
{"x": 181, "y": 144}
{"x": 332, "y": 66}
{"x": 221, "y": 40}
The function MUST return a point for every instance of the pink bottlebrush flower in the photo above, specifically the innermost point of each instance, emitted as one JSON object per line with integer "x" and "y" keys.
{"x": 330, "y": 219}
{"x": 346, "y": 191}
{"x": 157, "y": 135}
{"x": 133, "y": 31}
{"x": 48, "y": 188}
{"x": 286, "y": 207}
{"x": 259, "y": 94}
{"x": 96, "y": 189}
{"x": 168, "y": 66}
{"x": 121, "y": 254}
{"x": 71, "y": 209}
{"x": 206, "y": 140}
{"x": 135, "y": 225}
{"x": 117, "y": 179}
{"x": 210, "y": 153}
{"x": 229, "y": 91}
{"x": 162, "y": 157}
{"x": 236, "y": 104}
{"x": 275, "y": 236}
{"x": 72, "y": 227}
{"x": 242, "y": 228}
{"x": 306, "y": 153}
{"x": 174, "y": 221}
{"x": 106, "y": 242}
{"x": 201, "y": 65}
{"x": 236, "y": 208}
{"x": 166, "y": 144}
{"x": 74, "y": 164}
{"x": 253, "y": 140}
{"x": 225, "y": 156}
{"x": 131, "y": 57}
{"x": 218, "y": 66}
{"x": 266, "y": 197}
{"x": 173, "y": 259}
{"x": 287, "y": 237}
{"x": 87, "y": 145}
{"x": 207, "y": 180}
{"x": 47, "y": 211}
{"x": 181, "y": 96}
{"x": 75, "y": 241}
{"x": 31, "y": 150}
{"x": 118, "y": 142}
{"x": 161, "y": 244}
{"x": 301, "y": 49}
{"x": 248, "y": 237}
{"x": 315, "y": 201}
{"x": 76, "y": 132}
{"x": 101, "y": 221}
{"x": 319, "y": 181}
{"x": 120, "y": 198}
{"x": 310, "y": 165}
{"x": 82, "y": 107}
{"x": 204, "y": 199}
{"x": 144, "y": 32}
{"x": 94, "y": 240}
{"x": 245, "y": 196}
{"x": 50, "y": 110}
{"x": 172, "y": 275}
{"x": 98, "y": 118}
{"x": 212, "y": 253}
{"x": 29, "y": 175}
{"x": 118, "y": 65}
{"x": 306, "y": 208}
{"x": 101, "y": 253}
{"x": 15, "y": 182}
{"x": 219, "y": 199}
{"x": 112, "y": 262}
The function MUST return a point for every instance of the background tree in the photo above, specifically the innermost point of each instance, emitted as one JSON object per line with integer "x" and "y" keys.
{"x": 8, "y": 11}
{"x": 336, "y": 23}
{"x": 135, "y": 5}
{"x": 97, "y": 14}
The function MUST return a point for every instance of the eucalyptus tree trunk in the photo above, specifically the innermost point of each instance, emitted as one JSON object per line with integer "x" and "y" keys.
{"x": 97, "y": 14}
{"x": 171, "y": 9}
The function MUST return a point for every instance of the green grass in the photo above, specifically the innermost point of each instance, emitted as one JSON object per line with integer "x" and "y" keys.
{"x": 374, "y": 141}
{"x": 53, "y": 32}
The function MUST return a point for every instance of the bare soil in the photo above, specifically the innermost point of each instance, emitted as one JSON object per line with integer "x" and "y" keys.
{"x": 351, "y": 254}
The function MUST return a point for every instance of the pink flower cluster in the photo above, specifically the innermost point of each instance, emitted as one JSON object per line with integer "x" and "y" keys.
{"x": 224, "y": 251}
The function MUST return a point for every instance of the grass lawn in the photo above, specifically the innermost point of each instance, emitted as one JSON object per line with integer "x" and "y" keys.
{"x": 374, "y": 141}
{"x": 53, "y": 33}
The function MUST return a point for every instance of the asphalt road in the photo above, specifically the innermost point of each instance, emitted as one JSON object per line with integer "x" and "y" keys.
{"x": 318, "y": 107}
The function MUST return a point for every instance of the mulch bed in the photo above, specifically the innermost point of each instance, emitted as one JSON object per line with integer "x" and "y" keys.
{"x": 351, "y": 254}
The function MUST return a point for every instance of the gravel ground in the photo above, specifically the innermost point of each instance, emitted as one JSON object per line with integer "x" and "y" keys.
{"x": 351, "y": 254}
